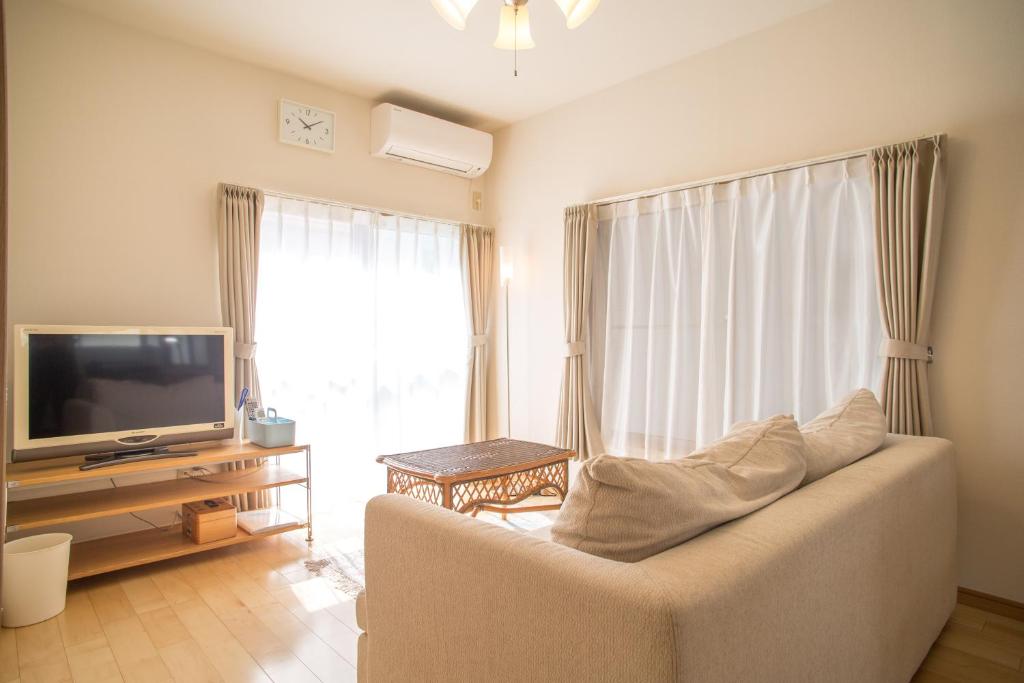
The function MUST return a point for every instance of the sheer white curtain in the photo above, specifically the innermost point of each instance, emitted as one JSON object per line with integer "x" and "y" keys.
{"x": 730, "y": 302}
{"x": 362, "y": 329}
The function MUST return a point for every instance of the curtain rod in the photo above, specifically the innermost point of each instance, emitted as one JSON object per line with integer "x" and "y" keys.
{"x": 372, "y": 209}
{"x": 646, "y": 194}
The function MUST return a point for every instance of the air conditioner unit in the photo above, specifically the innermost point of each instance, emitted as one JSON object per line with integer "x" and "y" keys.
{"x": 414, "y": 138}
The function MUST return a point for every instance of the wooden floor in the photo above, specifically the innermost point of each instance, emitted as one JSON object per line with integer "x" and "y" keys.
{"x": 976, "y": 646}
{"x": 254, "y": 613}
{"x": 243, "y": 613}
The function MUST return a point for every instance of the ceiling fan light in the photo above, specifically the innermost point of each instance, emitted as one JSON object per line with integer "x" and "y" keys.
{"x": 577, "y": 11}
{"x": 513, "y": 32}
{"x": 454, "y": 12}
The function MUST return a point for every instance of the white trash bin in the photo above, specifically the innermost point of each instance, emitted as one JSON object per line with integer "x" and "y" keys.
{"x": 35, "y": 578}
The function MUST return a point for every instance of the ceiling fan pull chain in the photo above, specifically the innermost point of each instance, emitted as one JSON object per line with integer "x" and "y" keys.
{"x": 515, "y": 45}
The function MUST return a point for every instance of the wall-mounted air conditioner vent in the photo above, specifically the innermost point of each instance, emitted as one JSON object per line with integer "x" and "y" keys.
{"x": 414, "y": 138}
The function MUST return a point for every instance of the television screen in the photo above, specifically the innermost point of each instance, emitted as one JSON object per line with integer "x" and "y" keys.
{"x": 81, "y": 384}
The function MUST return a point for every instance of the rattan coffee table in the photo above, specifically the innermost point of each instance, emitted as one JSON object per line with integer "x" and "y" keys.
{"x": 488, "y": 475}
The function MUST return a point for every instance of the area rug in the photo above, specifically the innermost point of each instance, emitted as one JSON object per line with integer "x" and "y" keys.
{"x": 344, "y": 569}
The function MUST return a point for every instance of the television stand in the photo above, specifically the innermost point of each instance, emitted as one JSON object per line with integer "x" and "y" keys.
{"x": 109, "y": 553}
{"x": 98, "y": 460}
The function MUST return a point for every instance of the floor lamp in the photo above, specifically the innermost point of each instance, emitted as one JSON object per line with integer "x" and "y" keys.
{"x": 505, "y": 274}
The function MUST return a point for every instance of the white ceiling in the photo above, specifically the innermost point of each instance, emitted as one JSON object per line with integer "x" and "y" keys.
{"x": 403, "y": 52}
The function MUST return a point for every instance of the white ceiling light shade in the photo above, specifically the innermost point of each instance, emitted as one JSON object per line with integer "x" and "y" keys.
{"x": 454, "y": 11}
{"x": 577, "y": 11}
{"x": 514, "y": 29}
{"x": 514, "y": 24}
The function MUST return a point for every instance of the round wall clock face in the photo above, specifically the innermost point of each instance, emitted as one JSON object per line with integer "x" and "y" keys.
{"x": 307, "y": 126}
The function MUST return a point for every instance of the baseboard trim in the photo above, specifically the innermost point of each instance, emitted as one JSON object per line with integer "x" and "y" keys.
{"x": 990, "y": 603}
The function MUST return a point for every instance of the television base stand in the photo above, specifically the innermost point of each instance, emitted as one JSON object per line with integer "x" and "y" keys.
{"x": 98, "y": 460}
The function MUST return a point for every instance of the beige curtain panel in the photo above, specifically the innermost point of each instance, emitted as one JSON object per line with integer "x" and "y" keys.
{"x": 239, "y": 212}
{"x": 908, "y": 183}
{"x": 577, "y": 422}
{"x": 3, "y": 277}
{"x": 476, "y": 249}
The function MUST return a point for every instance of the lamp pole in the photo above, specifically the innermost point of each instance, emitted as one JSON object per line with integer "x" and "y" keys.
{"x": 508, "y": 367}
{"x": 505, "y": 273}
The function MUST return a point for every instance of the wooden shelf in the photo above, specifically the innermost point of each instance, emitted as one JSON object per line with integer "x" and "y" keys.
{"x": 63, "y": 470}
{"x": 131, "y": 550}
{"x": 73, "y": 507}
{"x": 152, "y": 545}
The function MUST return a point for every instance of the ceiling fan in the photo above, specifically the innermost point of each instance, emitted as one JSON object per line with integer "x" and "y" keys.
{"x": 514, "y": 24}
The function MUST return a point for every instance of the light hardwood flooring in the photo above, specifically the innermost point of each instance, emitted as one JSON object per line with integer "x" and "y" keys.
{"x": 976, "y": 647}
{"x": 251, "y": 612}
{"x": 255, "y": 613}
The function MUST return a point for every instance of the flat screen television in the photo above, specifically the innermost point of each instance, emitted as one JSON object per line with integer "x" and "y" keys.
{"x": 85, "y": 390}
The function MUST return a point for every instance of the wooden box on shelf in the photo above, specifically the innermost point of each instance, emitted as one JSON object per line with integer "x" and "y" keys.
{"x": 205, "y": 521}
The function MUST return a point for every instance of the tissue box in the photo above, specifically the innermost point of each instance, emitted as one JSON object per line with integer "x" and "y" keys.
{"x": 271, "y": 431}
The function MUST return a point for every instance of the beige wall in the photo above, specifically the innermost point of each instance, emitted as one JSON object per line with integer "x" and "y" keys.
{"x": 847, "y": 76}
{"x": 117, "y": 142}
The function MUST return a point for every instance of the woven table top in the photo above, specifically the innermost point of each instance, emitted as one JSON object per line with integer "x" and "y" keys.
{"x": 467, "y": 461}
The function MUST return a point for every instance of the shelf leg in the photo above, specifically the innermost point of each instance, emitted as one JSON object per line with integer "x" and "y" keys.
{"x": 309, "y": 494}
{"x": 277, "y": 490}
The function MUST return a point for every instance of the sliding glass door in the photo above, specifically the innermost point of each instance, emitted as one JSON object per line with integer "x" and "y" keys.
{"x": 362, "y": 333}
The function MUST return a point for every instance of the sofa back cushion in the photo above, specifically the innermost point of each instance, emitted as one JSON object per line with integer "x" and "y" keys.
{"x": 843, "y": 434}
{"x": 627, "y": 509}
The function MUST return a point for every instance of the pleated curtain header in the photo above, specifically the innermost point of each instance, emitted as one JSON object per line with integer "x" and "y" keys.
{"x": 753, "y": 186}
{"x": 300, "y": 207}
{"x": 240, "y": 191}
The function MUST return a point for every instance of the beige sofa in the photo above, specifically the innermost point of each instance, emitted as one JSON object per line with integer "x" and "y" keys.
{"x": 850, "y": 578}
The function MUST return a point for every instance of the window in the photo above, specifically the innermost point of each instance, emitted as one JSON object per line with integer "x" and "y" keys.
{"x": 732, "y": 301}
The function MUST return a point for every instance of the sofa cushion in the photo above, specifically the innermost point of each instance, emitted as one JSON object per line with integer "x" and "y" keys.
{"x": 843, "y": 434}
{"x": 627, "y": 509}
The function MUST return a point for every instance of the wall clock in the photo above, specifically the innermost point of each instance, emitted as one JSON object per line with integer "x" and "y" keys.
{"x": 306, "y": 126}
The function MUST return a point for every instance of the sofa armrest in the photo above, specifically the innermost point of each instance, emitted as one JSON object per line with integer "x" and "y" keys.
{"x": 451, "y": 598}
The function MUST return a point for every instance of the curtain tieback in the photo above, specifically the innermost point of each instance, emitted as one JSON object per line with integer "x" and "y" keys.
{"x": 894, "y": 348}
{"x": 478, "y": 340}
{"x": 576, "y": 348}
{"x": 245, "y": 351}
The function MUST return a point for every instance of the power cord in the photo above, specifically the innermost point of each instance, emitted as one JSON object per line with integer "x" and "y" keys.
{"x": 239, "y": 474}
{"x": 174, "y": 520}
{"x": 188, "y": 473}
{"x": 205, "y": 473}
